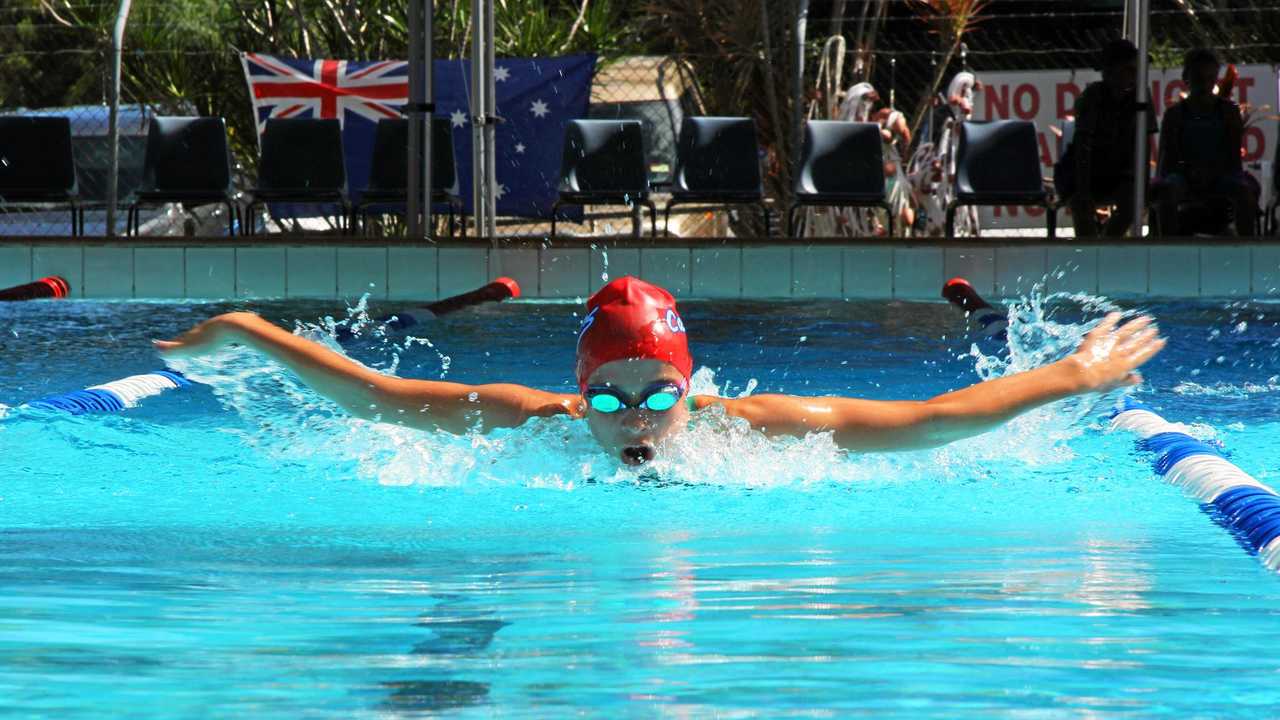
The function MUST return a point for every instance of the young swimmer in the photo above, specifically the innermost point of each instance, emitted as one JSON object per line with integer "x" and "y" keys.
{"x": 633, "y": 374}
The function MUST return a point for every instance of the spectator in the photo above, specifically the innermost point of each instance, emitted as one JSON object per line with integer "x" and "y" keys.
{"x": 1098, "y": 168}
{"x": 1200, "y": 150}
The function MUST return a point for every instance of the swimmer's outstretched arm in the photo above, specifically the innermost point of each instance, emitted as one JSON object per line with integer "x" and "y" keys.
{"x": 1108, "y": 358}
{"x": 366, "y": 393}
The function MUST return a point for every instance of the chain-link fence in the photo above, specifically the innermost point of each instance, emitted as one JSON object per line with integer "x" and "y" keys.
{"x": 54, "y": 61}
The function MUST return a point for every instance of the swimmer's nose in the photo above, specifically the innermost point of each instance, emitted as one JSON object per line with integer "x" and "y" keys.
{"x": 637, "y": 454}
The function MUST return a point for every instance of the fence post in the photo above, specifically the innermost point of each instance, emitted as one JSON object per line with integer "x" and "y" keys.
{"x": 797, "y": 95}
{"x": 482, "y": 116}
{"x": 113, "y": 119}
{"x": 1143, "y": 92}
{"x": 420, "y": 111}
{"x": 429, "y": 98}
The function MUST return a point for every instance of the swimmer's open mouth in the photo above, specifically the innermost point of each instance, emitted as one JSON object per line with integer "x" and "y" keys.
{"x": 637, "y": 454}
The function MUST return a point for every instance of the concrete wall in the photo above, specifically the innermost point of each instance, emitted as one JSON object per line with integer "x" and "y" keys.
{"x": 751, "y": 270}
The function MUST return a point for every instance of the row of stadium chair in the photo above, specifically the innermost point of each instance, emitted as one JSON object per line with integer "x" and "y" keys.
{"x": 717, "y": 161}
{"x": 841, "y": 165}
{"x": 187, "y": 161}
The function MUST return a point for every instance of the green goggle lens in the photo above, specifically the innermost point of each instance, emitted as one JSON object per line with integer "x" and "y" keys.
{"x": 661, "y": 401}
{"x": 605, "y": 403}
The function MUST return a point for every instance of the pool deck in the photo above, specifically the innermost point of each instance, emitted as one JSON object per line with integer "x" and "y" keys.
{"x": 333, "y": 267}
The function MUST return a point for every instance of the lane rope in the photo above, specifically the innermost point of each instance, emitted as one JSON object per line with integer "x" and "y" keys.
{"x": 1238, "y": 501}
{"x": 114, "y": 396}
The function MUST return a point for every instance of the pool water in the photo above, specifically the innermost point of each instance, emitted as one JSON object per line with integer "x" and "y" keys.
{"x": 243, "y": 548}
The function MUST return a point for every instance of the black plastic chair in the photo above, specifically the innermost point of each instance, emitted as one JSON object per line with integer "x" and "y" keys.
{"x": 842, "y": 165}
{"x": 186, "y": 161}
{"x": 301, "y": 162}
{"x": 603, "y": 162}
{"x": 717, "y": 161}
{"x": 998, "y": 163}
{"x": 38, "y": 167}
{"x": 389, "y": 173}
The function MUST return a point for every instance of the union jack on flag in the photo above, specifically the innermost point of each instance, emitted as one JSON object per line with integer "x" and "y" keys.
{"x": 536, "y": 99}
{"x": 284, "y": 87}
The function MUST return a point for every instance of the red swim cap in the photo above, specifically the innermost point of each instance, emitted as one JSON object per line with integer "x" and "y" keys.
{"x": 631, "y": 319}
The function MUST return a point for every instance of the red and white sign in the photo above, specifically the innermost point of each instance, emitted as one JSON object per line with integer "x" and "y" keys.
{"x": 1048, "y": 96}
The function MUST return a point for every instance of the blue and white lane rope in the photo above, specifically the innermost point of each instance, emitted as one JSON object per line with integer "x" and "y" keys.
{"x": 113, "y": 396}
{"x": 1247, "y": 507}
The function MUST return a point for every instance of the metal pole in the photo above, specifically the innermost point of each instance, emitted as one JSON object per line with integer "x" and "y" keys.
{"x": 417, "y": 101}
{"x": 113, "y": 116}
{"x": 1142, "y": 96}
{"x": 429, "y": 97}
{"x": 479, "y": 164}
{"x": 797, "y": 92}
{"x": 490, "y": 126}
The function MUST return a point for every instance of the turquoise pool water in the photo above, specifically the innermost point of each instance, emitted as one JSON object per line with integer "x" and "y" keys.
{"x": 243, "y": 549}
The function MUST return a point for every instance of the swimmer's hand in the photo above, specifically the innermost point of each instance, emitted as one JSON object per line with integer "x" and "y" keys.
{"x": 204, "y": 338}
{"x": 1111, "y": 353}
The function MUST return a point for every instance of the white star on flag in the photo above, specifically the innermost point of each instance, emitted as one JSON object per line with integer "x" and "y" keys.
{"x": 500, "y": 74}
{"x": 499, "y": 191}
{"x": 519, "y": 148}
{"x": 457, "y": 118}
{"x": 539, "y": 108}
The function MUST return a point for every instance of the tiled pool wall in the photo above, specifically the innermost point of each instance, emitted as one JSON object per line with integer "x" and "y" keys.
{"x": 729, "y": 270}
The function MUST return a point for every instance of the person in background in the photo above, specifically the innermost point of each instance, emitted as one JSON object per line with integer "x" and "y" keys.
{"x": 1098, "y": 169}
{"x": 895, "y": 135}
{"x": 1200, "y": 150}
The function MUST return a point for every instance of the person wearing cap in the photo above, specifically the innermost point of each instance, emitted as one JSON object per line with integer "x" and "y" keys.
{"x": 633, "y": 376}
{"x": 1098, "y": 168}
{"x": 1200, "y": 150}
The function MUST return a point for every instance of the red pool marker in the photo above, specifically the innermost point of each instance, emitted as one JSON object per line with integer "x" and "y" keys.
{"x": 960, "y": 293}
{"x": 46, "y": 287}
{"x": 503, "y": 288}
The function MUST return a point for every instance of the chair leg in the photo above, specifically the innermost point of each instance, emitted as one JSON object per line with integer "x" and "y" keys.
{"x": 131, "y": 228}
{"x": 653, "y": 219}
{"x": 635, "y": 219}
{"x": 791, "y": 220}
{"x": 251, "y": 220}
{"x": 74, "y": 228}
{"x": 768, "y": 232}
{"x": 555, "y": 210}
{"x": 666, "y": 218}
{"x": 1051, "y": 220}
{"x": 951, "y": 221}
{"x": 231, "y": 221}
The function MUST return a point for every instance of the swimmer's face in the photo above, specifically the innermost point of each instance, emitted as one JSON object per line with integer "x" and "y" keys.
{"x": 634, "y": 435}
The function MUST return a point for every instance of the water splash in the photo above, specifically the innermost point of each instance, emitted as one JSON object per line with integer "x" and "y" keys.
{"x": 291, "y": 423}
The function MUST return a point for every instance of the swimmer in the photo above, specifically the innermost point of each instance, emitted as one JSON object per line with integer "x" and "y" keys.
{"x": 633, "y": 372}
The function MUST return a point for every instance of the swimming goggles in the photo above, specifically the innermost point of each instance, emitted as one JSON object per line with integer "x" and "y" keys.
{"x": 658, "y": 397}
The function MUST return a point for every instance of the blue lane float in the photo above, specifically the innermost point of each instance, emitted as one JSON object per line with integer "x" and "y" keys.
{"x": 113, "y": 396}
{"x": 1239, "y": 502}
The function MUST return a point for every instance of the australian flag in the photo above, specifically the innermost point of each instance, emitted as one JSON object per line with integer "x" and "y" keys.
{"x": 536, "y": 98}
